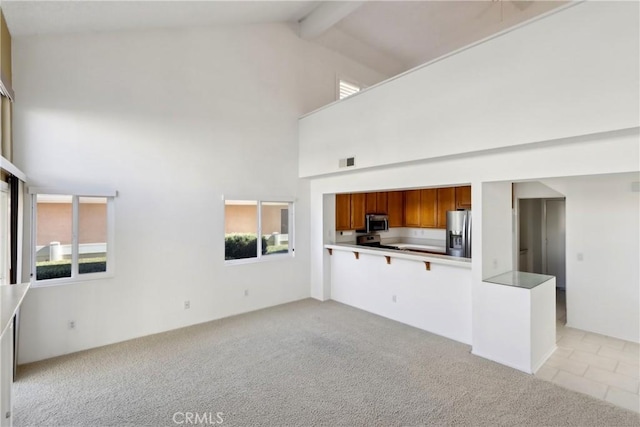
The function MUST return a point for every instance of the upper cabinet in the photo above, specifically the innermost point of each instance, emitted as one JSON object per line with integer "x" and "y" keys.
{"x": 343, "y": 211}
{"x": 429, "y": 208}
{"x": 446, "y": 202}
{"x": 412, "y": 208}
{"x": 376, "y": 203}
{"x": 358, "y": 211}
{"x": 395, "y": 208}
{"x": 350, "y": 211}
{"x": 424, "y": 208}
{"x": 463, "y": 197}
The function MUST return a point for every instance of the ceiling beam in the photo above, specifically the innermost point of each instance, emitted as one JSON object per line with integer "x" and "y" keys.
{"x": 326, "y": 16}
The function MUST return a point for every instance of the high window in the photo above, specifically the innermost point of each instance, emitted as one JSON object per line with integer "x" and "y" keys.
{"x": 347, "y": 88}
{"x": 72, "y": 237}
{"x": 256, "y": 229}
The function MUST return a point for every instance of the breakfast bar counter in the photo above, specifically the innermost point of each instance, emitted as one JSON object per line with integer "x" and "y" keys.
{"x": 429, "y": 291}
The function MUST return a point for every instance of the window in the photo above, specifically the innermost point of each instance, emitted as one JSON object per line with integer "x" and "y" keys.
{"x": 347, "y": 88}
{"x": 245, "y": 220}
{"x": 72, "y": 237}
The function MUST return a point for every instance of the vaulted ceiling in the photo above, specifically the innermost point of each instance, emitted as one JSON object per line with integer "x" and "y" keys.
{"x": 390, "y": 36}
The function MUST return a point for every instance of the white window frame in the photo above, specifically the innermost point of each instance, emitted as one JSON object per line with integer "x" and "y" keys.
{"x": 259, "y": 257}
{"x": 75, "y": 275}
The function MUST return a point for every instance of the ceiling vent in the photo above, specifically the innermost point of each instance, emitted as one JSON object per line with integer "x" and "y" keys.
{"x": 347, "y": 163}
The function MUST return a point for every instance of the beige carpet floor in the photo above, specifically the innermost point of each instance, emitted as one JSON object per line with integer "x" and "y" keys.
{"x": 299, "y": 364}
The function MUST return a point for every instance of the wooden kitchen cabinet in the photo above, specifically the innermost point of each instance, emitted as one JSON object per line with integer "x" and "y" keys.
{"x": 420, "y": 208}
{"x": 463, "y": 197}
{"x": 382, "y": 200}
{"x": 412, "y": 208}
{"x": 429, "y": 208}
{"x": 395, "y": 208}
{"x": 343, "y": 212}
{"x": 376, "y": 203}
{"x": 350, "y": 210}
{"x": 446, "y": 202}
{"x": 371, "y": 203}
{"x": 358, "y": 209}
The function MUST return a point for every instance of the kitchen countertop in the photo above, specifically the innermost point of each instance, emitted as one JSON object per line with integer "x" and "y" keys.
{"x": 429, "y": 248}
{"x": 11, "y": 297}
{"x": 404, "y": 254}
{"x": 519, "y": 279}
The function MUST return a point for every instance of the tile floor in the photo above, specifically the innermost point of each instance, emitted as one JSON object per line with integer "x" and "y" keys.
{"x": 600, "y": 366}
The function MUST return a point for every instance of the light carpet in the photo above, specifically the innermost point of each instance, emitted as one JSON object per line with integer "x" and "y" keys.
{"x": 299, "y": 364}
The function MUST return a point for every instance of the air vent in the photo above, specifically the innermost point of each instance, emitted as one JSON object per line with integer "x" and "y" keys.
{"x": 347, "y": 163}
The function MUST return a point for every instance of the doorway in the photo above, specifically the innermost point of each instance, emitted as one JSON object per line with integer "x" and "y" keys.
{"x": 542, "y": 233}
{"x": 555, "y": 250}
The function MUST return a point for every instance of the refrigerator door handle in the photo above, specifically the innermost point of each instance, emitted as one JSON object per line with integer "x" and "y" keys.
{"x": 468, "y": 247}
{"x": 464, "y": 236}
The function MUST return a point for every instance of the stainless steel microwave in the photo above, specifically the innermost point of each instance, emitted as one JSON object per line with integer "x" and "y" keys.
{"x": 376, "y": 222}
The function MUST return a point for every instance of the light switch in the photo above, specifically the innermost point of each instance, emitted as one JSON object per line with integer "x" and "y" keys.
{"x": 580, "y": 256}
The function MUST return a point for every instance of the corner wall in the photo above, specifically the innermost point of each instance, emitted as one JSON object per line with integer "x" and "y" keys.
{"x": 173, "y": 120}
{"x": 602, "y": 248}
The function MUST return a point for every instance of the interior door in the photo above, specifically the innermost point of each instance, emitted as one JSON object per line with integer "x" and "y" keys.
{"x": 555, "y": 240}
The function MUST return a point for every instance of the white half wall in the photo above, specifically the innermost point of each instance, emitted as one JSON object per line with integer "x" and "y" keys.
{"x": 174, "y": 120}
{"x": 497, "y": 249}
{"x": 571, "y": 72}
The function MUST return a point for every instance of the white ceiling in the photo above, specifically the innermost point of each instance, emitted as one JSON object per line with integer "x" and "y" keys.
{"x": 390, "y": 36}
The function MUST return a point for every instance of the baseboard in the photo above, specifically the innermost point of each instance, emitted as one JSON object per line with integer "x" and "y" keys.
{"x": 544, "y": 358}
{"x": 524, "y": 369}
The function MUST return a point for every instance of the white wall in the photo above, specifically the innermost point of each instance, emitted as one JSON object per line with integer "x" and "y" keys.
{"x": 497, "y": 249}
{"x": 602, "y": 225}
{"x": 573, "y": 72}
{"x": 174, "y": 120}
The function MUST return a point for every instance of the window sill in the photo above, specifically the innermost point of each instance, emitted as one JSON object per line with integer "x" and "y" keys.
{"x": 70, "y": 280}
{"x": 265, "y": 258}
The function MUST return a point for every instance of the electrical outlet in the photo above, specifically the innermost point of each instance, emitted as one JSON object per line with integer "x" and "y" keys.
{"x": 187, "y": 305}
{"x": 394, "y": 299}
{"x": 495, "y": 263}
{"x": 246, "y": 292}
{"x": 72, "y": 324}
{"x": 580, "y": 256}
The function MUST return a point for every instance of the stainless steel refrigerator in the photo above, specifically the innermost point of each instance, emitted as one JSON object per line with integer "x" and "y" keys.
{"x": 459, "y": 233}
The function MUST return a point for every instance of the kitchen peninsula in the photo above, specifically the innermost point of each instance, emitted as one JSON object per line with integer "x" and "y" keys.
{"x": 428, "y": 291}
